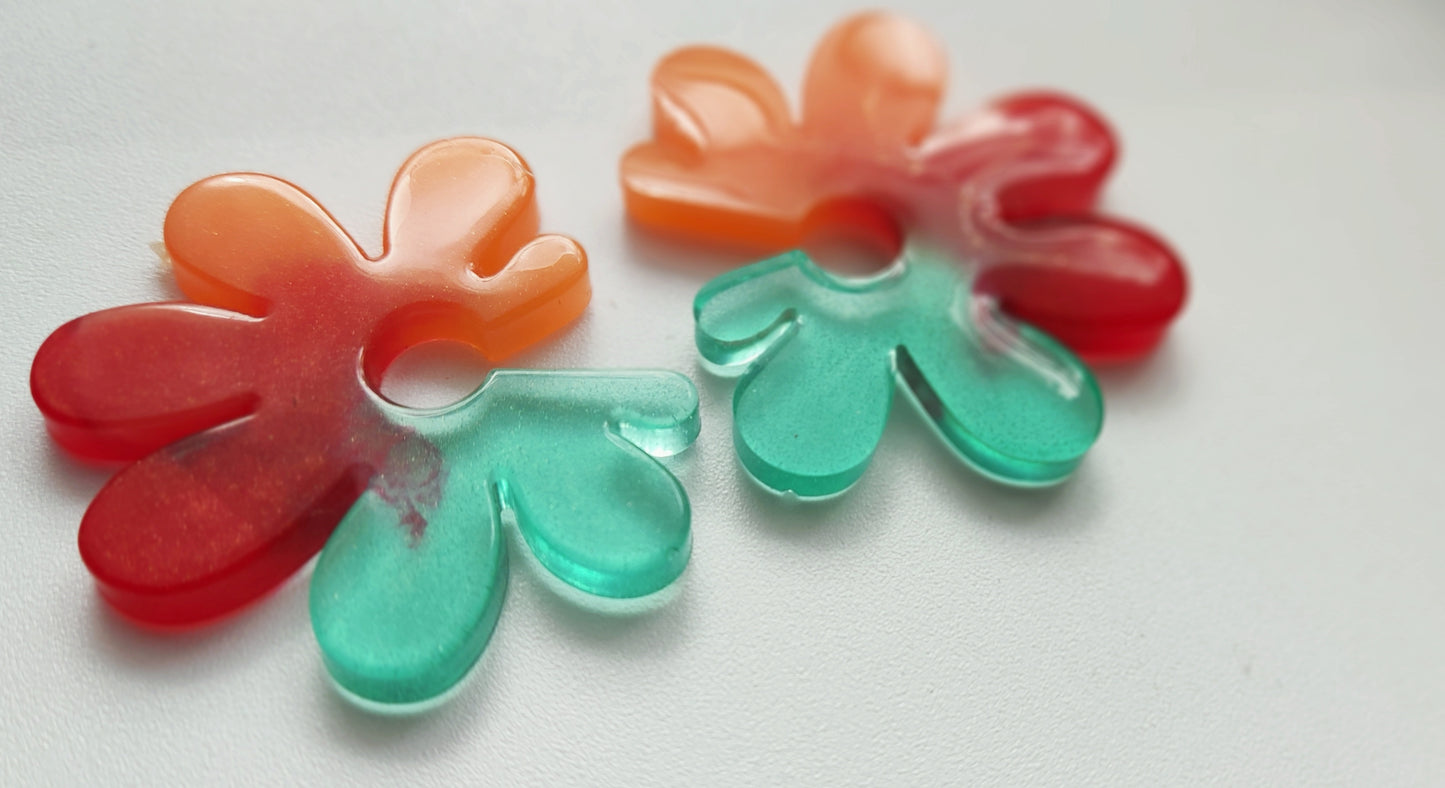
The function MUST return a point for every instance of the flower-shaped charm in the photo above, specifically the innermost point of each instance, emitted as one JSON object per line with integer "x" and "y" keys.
{"x": 821, "y": 356}
{"x": 1008, "y": 191}
{"x": 254, "y": 423}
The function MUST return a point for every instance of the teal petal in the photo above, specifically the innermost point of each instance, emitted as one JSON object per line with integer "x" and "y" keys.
{"x": 407, "y": 591}
{"x": 808, "y": 420}
{"x": 574, "y": 460}
{"x": 1025, "y": 411}
{"x": 819, "y": 355}
{"x": 401, "y": 612}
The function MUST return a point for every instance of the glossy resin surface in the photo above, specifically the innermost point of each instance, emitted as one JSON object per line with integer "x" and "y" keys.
{"x": 250, "y": 417}
{"x": 1008, "y": 191}
{"x": 402, "y": 605}
{"x": 821, "y": 357}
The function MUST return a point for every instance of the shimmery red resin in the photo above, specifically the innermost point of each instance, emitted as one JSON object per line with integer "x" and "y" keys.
{"x": 250, "y": 414}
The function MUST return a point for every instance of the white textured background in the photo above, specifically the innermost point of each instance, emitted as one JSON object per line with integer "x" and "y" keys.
{"x": 1242, "y": 584}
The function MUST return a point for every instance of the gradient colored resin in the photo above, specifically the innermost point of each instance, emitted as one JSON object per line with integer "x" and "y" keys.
{"x": 253, "y": 427}
{"x": 402, "y": 608}
{"x": 1009, "y": 190}
{"x": 821, "y": 357}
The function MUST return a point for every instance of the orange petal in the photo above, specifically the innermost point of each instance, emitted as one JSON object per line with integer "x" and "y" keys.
{"x": 876, "y": 79}
{"x": 705, "y": 98}
{"x": 758, "y": 201}
{"x": 465, "y": 204}
{"x": 228, "y": 233}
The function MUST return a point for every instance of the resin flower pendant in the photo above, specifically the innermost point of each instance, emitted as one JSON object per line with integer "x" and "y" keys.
{"x": 1007, "y": 192}
{"x": 252, "y": 420}
{"x": 989, "y": 221}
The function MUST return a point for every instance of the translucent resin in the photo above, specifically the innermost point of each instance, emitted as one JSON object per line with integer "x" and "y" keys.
{"x": 821, "y": 357}
{"x": 250, "y": 419}
{"x": 1008, "y": 191}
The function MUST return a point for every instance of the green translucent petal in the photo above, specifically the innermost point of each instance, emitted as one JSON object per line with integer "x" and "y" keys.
{"x": 811, "y": 418}
{"x": 400, "y": 619}
{"x": 408, "y": 589}
{"x": 820, "y": 353}
{"x": 598, "y": 511}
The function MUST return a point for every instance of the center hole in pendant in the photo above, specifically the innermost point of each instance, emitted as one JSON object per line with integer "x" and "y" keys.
{"x": 434, "y": 374}
{"x": 852, "y": 237}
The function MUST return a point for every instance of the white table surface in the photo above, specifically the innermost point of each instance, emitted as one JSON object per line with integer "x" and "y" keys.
{"x": 1242, "y": 584}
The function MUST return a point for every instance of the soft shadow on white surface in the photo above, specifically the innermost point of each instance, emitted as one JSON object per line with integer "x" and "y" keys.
{"x": 201, "y": 654}
{"x": 1151, "y": 383}
{"x": 409, "y": 736}
{"x": 912, "y": 446}
{"x": 978, "y": 500}
{"x": 675, "y": 254}
{"x": 461, "y": 722}
{"x": 614, "y": 629}
{"x": 75, "y": 480}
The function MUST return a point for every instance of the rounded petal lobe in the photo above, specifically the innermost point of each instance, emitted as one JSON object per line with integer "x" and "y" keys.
{"x": 402, "y": 612}
{"x": 1040, "y": 154}
{"x": 809, "y": 413}
{"x": 875, "y": 78}
{"x": 706, "y": 99}
{"x": 206, "y": 525}
{"x": 816, "y": 387}
{"x": 1106, "y": 288}
{"x": 119, "y": 384}
{"x": 465, "y": 204}
{"x": 574, "y": 458}
{"x": 1012, "y": 402}
{"x": 233, "y": 238}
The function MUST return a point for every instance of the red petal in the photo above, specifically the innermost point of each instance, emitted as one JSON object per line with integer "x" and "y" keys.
{"x": 208, "y": 524}
{"x": 118, "y": 384}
